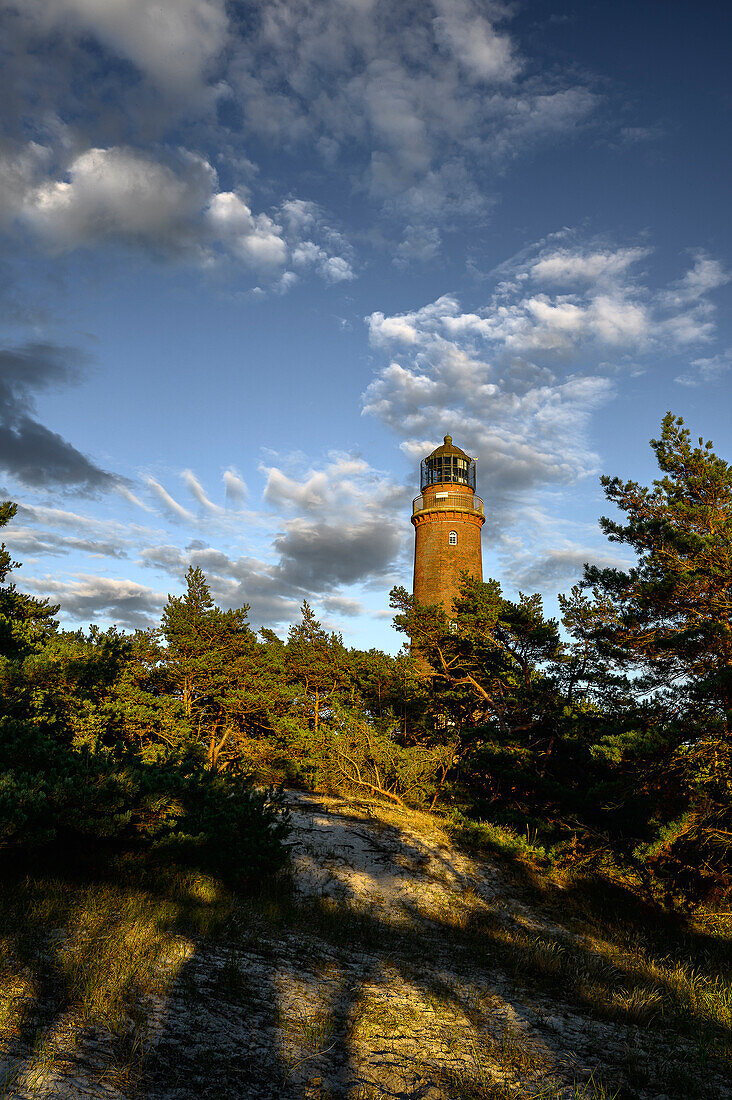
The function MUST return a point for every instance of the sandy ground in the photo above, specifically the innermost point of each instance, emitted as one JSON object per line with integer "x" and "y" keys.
{"x": 368, "y": 986}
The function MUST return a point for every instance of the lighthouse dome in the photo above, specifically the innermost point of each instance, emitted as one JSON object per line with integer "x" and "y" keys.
{"x": 447, "y": 447}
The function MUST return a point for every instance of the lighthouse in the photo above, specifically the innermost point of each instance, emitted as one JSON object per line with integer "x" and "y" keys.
{"x": 447, "y": 517}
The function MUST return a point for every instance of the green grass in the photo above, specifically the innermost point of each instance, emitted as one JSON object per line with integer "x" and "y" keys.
{"x": 497, "y": 839}
{"x": 81, "y": 955}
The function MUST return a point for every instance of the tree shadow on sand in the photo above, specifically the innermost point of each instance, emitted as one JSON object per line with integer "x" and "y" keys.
{"x": 329, "y": 995}
{"x": 337, "y": 998}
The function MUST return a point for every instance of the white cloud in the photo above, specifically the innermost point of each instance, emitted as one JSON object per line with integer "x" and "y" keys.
{"x": 314, "y": 243}
{"x": 198, "y": 492}
{"x": 344, "y": 523}
{"x": 343, "y": 605}
{"x": 704, "y": 275}
{"x": 517, "y": 381}
{"x": 414, "y": 105}
{"x": 31, "y": 542}
{"x": 567, "y": 266}
{"x": 346, "y": 487}
{"x": 169, "y": 504}
{"x": 173, "y": 42}
{"x": 424, "y": 95}
{"x": 88, "y": 597}
{"x": 235, "y": 486}
{"x": 420, "y": 243}
{"x": 122, "y": 195}
{"x": 483, "y": 53}
{"x": 536, "y": 568}
{"x": 709, "y": 369}
{"x": 254, "y": 238}
{"x": 335, "y": 269}
{"x": 19, "y": 173}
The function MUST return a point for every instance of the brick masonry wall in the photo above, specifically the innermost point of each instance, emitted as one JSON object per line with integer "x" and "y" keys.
{"x": 437, "y": 565}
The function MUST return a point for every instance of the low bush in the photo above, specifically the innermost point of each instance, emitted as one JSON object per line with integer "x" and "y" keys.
{"x": 53, "y": 795}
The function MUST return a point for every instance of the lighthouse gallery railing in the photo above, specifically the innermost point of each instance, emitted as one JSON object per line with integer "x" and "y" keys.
{"x": 448, "y": 502}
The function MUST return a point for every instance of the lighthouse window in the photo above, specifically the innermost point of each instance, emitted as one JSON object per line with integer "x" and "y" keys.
{"x": 452, "y": 539}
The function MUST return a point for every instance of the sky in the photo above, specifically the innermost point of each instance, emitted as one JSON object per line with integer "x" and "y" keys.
{"x": 256, "y": 259}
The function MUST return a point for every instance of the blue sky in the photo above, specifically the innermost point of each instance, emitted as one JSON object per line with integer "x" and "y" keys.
{"x": 258, "y": 258}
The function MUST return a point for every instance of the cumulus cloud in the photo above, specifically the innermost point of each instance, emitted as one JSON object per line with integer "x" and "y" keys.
{"x": 346, "y": 487}
{"x": 127, "y": 196}
{"x": 333, "y": 525}
{"x": 314, "y": 556}
{"x": 121, "y": 194}
{"x": 254, "y": 238}
{"x": 172, "y": 42}
{"x": 557, "y": 569}
{"x": 171, "y": 207}
{"x": 33, "y": 453}
{"x": 315, "y": 243}
{"x": 234, "y": 580}
{"x": 572, "y": 266}
{"x": 419, "y": 243}
{"x": 346, "y": 523}
{"x": 343, "y": 605}
{"x": 412, "y": 105}
{"x": 483, "y": 53}
{"x": 517, "y": 380}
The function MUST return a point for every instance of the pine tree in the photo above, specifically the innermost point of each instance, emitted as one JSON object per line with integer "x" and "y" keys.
{"x": 672, "y": 611}
{"x": 317, "y": 663}
{"x": 216, "y": 667}
{"x": 668, "y": 622}
{"x": 25, "y": 622}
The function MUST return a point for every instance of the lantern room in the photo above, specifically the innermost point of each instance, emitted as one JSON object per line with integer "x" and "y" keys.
{"x": 447, "y": 465}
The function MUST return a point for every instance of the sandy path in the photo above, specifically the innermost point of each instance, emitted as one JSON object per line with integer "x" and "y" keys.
{"x": 386, "y": 968}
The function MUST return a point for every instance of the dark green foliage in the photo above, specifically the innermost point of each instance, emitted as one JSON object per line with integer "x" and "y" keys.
{"x": 668, "y": 620}
{"x": 234, "y": 831}
{"x": 50, "y": 792}
{"x": 494, "y": 687}
{"x": 98, "y": 755}
{"x": 25, "y": 622}
{"x": 53, "y": 795}
{"x": 670, "y": 615}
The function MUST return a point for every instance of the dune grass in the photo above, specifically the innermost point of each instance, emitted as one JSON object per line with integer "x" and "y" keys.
{"x": 89, "y": 954}
{"x": 96, "y": 952}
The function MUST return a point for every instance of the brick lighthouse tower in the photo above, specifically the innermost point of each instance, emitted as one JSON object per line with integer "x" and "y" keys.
{"x": 447, "y": 518}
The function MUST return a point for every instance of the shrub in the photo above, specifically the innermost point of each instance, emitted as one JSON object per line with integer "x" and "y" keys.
{"x": 55, "y": 795}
